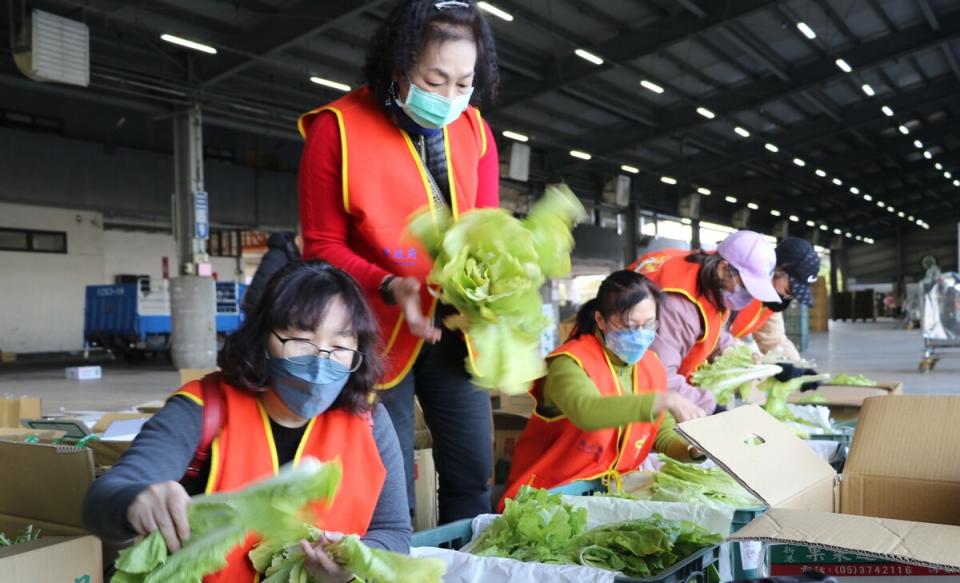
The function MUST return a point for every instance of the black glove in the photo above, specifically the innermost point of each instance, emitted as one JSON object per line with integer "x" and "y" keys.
{"x": 792, "y": 371}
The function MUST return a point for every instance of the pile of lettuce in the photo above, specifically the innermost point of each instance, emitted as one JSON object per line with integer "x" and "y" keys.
{"x": 852, "y": 381}
{"x": 29, "y": 533}
{"x": 490, "y": 266}
{"x": 280, "y": 562}
{"x": 274, "y": 510}
{"x": 680, "y": 482}
{"x": 733, "y": 374}
{"x": 538, "y": 526}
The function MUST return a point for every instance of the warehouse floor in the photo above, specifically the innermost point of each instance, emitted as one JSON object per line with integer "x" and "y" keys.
{"x": 882, "y": 351}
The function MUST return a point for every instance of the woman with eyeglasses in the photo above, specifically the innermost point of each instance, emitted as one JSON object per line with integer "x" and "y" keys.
{"x": 297, "y": 379}
{"x": 701, "y": 290}
{"x": 604, "y": 405}
{"x": 411, "y": 138}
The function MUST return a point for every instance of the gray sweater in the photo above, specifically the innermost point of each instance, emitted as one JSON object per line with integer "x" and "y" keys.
{"x": 165, "y": 446}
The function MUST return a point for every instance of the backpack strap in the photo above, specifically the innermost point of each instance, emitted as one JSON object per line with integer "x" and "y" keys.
{"x": 212, "y": 418}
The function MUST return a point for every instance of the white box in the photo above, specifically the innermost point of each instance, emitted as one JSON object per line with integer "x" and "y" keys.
{"x": 84, "y": 373}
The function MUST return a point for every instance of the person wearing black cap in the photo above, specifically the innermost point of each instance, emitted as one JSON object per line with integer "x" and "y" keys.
{"x": 798, "y": 267}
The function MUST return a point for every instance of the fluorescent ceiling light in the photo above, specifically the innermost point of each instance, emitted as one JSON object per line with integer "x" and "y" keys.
{"x": 844, "y": 66}
{"x": 794, "y": 218}
{"x": 947, "y": 175}
{"x": 820, "y": 173}
{"x": 859, "y": 238}
{"x": 918, "y": 144}
{"x": 331, "y": 84}
{"x": 824, "y": 228}
{"x": 775, "y": 212}
{"x": 743, "y": 132}
{"x": 904, "y": 129}
{"x": 867, "y": 197}
{"x": 771, "y": 147}
{"x": 706, "y": 113}
{"x": 630, "y": 169}
{"x": 753, "y": 206}
{"x": 838, "y": 182}
{"x": 881, "y": 204}
{"x": 588, "y": 56}
{"x": 799, "y": 162}
{"x": 502, "y": 14}
{"x": 730, "y": 199}
{"x": 901, "y": 214}
{"x": 868, "y": 90}
{"x": 837, "y": 232}
{"x": 956, "y": 182}
{"x": 928, "y": 155}
{"x": 189, "y": 44}
{"x": 704, "y": 191}
{"x": 650, "y": 85}
{"x": 515, "y": 136}
{"x": 668, "y": 180}
{"x": 806, "y": 30}
{"x": 811, "y": 224}
{"x": 581, "y": 155}
{"x": 887, "y": 111}
{"x": 938, "y": 166}
{"x": 854, "y": 190}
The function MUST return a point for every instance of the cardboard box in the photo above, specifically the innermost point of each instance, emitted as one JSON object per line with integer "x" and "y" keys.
{"x": 8, "y": 357}
{"x": 56, "y": 559}
{"x": 24, "y": 433}
{"x": 425, "y": 490}
{"x": 895, "y": 504}
{"x": 194, "y": 374}
{"x": 13, "y": 409}
{"x": 845, "y": 401}
{"x": 150, "y": 407}
{"x": 507, "y": 428}
{"x": 84, "y": 373}
{"x": 522, "y": 404}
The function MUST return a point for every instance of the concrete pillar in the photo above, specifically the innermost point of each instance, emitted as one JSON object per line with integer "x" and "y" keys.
{"x": 193, "y": 293}
{"x": 695, "y": 234}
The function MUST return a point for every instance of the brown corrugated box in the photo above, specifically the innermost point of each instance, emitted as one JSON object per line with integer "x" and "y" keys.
{"x": 845, "y": 401}
{"x": 896, "y": 500}
{"x": 13, "y": 409}
{"x": 44, "y": 485}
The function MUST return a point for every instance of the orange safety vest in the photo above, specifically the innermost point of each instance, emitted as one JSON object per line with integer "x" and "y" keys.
{"x": 750, "y": 319}
{"x": 244, "y": 452}
{"x": 384, "y": 182}
{"x": 553, "y": 451}
{"x": 672, "y": 273}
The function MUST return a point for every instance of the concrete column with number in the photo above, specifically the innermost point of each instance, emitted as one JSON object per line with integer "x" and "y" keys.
{"x": 193, "y": 293}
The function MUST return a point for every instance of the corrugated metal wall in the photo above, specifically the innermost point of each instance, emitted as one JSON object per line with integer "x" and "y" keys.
{"x": 878, "y": 263}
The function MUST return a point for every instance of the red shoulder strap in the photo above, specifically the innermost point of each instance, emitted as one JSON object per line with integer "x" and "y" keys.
{"x": 212, "y": 418}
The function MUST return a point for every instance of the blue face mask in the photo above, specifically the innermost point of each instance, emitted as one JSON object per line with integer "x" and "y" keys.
{"x": 308, "y": 389}
{"x": 431, "y": 110}
{"x": 738, "y": 299}
{"x": 629, "y": 345}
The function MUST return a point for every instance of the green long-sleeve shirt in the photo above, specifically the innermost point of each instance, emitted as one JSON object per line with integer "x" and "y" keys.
{"x": 569, "y": 391}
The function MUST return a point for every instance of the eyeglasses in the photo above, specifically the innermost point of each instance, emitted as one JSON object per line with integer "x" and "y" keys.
{"x": 650, "y": 326}
{"x": 300, "y": 351}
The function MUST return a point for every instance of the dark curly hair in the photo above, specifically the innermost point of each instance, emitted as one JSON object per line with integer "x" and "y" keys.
{"x": 298, "y": 296}
{"x": 397, "y": 45}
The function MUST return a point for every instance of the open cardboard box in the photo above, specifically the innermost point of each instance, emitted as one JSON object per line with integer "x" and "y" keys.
{"x": 44, "y": 485}
{"x": 896, "y": 500}
{"x": 844, "y": 401}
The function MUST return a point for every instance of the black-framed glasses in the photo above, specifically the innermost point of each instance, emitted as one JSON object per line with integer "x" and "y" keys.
{"x": 302, "y": 351}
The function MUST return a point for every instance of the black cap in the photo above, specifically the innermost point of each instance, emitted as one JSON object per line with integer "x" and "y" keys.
{"x": 800, "y": 260}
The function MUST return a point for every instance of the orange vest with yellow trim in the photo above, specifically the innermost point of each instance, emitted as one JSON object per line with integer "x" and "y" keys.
{"x": 678, "y": 276}
{"x": 553, "y": 452}
{"x": 244, "y": 452}
{"x": 652, "y": 261}
{"x": 750, "y": 319}
{"x": 384, "y": 182}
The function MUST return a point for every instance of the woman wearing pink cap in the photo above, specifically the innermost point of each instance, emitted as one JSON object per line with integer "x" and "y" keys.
{"x": 702, "y": 289}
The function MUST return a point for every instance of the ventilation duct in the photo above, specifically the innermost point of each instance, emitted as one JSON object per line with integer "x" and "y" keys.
{"x": 54, "y": 49}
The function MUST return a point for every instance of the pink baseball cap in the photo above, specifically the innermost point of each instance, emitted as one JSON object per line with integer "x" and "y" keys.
{"x": 755, "y": 259}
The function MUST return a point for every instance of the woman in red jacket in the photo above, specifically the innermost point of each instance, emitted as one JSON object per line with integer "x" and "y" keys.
{"x": 407, "y": 140}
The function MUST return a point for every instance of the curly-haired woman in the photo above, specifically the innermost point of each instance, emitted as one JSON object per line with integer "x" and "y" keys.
{"x": 406, "y": 140}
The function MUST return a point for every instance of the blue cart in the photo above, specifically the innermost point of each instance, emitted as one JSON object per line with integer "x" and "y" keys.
{"x": 134, "y": 319}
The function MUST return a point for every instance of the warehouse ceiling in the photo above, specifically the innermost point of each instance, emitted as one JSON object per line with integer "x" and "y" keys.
{"x": 847, "y": 122}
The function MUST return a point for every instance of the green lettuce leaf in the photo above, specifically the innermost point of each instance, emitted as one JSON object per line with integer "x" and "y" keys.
{"x": 733, "y": 374}
{"x": 853, "y": 381}
{"x": 273, "y": 508}
{"x": 490, "y": 266}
